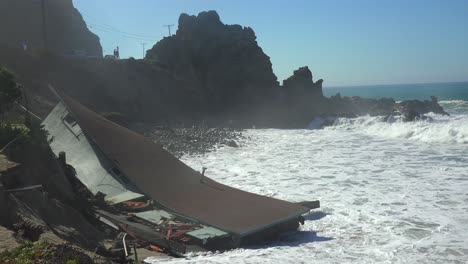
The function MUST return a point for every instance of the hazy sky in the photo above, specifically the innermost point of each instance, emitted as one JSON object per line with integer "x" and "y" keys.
{"x": 345, "y": 42}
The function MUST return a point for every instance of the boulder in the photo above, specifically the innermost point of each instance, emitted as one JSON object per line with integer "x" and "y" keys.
{"x": 411, "y": 115}
{"x": 232, "y": 144}
{"x": 421, "y": 107}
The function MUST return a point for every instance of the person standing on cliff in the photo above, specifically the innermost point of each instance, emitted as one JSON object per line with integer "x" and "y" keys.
{"x": 117, "y": 53}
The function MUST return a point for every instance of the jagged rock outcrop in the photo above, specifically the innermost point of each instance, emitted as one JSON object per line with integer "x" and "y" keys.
{"x": 356, "y": 106}
{"x": 296, "y": 102}
{"x": 226, "y": 69}
{"x": 408, "y": 111}
{"x": 417, "y": 107}
{"x": 301, "y": 82}
{"x": 21, "y": 22}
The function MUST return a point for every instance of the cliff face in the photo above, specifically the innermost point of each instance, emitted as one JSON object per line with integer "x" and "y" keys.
{"x": 302, "y": 84}
{"x": 207, "y": 71}
{"x": 21, "y": 22}
{"x": 224, "y": 65}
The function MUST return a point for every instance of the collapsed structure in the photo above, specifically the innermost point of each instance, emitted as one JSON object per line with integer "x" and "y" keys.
{"x": 169, "y": 205}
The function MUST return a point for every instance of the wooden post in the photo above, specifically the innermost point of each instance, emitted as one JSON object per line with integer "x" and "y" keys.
{"x": 62, "y": 158}
{"x": 3, "y": 205}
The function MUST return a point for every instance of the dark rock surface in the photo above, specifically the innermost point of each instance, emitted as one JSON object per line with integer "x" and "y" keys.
{"x": 21, "y": 22}
{"x": 420, "y": 107}
{"x": 357, "y": 106}
{"x": 226, "y": 69}
{"x": 301, "y": 83}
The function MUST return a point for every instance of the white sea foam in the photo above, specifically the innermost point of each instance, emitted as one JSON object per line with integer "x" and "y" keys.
{"x": 440, "y": 129}
{"x": 459, "y": 102}
{"x": 456, "y": 107}
{"x": 390, "y": 193}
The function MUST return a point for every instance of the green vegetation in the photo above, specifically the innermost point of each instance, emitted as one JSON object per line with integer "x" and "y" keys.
{"x": 44, "y": 253}
{"x": 10, "y": 91}
{"x": 9, "y": 132}
{"x": 15, "y": 136}
{"x": 28, "y": 253}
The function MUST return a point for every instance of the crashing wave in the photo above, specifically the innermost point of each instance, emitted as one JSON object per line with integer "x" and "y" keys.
{"x": 457, "y": 102}
{"x": 457, "y": 107}
{"x": 438, "y": 129}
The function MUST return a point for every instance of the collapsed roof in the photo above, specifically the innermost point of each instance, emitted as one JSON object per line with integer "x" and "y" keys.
{"x": 176, "y": 186}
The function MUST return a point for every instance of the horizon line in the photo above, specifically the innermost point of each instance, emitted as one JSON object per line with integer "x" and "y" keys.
{"x": 391, "y": 84}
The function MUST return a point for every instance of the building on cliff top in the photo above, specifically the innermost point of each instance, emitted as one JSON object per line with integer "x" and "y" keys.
{"x": 184, "y": 210}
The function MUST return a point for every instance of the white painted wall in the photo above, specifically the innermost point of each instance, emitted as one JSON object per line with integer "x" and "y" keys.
{"x": 93, "y": 169}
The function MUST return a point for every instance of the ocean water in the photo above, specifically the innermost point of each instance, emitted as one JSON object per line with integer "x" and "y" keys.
{"x": 390, "y": 192}
{"x": 444, "y": 91}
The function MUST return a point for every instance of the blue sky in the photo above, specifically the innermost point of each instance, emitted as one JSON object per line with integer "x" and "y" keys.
{"x": 345, "y": 42}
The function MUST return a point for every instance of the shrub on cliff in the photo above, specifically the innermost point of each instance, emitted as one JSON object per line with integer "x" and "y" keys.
{"x": 43, "y": 252}
{"x": 9, "y": 91}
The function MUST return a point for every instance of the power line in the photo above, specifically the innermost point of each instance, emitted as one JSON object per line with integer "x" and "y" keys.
{"x": 121, "y": 34}
{"x": 107, "y": 28}
{"x": 112, "y": 28}
{"x": 124, "y": 34}
{"x": 86, "y": 15}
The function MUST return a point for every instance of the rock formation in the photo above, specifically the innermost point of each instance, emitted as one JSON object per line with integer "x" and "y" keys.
{"x": 224, "y": 65}
{"x": 207, "y": 72}
{"x": 302, "y": 82}
{"x": 420, "y": 107}
{"x": 21, "y": 23}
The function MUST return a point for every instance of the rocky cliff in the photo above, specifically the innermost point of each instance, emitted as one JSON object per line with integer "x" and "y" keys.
{"x": 21, "y": 22}
{"x": 224, "y": 65}
{"x": 207, "y": 72}
{"x": 301, "y": 82}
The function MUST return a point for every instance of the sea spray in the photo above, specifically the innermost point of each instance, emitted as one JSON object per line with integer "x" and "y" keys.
{"x": 441, "y": 129}
{"x": 391, "y": 192}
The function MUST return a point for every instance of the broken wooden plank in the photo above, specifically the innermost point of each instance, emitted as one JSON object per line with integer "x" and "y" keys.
{"x": 143, "y": 233}
{"x": 24, "y": 189}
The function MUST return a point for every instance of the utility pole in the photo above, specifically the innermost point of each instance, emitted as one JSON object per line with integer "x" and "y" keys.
{"x": 44, "y": 25}
{"x": 143, "y": 44}
{"x": 169, "y": 28}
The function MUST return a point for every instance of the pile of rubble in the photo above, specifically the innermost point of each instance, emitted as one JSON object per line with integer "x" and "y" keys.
{"x": 42, "y": 205}
{"x": 193, "y": 140}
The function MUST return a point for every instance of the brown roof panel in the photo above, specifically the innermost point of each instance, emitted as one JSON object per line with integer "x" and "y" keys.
{"x": 175, "y": 185}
